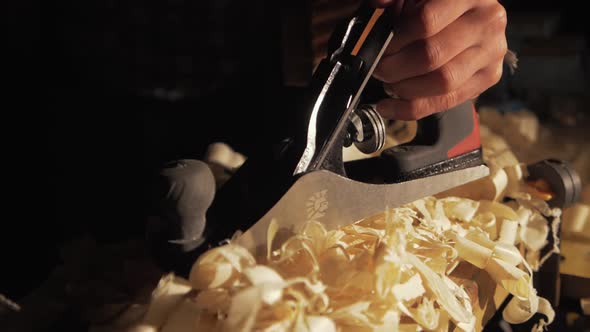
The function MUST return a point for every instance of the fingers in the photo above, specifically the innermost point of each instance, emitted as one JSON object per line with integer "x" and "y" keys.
{"x": 443, "y": 64}
{"x": 426, "y": 18}
{"x": 448, "y": 78}
{"x": 418, "y": 108}
{"x": 429, "y": 54}
{"x": 458, "y": 70}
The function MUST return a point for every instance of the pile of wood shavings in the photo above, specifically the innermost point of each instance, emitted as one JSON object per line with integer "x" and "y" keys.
{"x": 391, "y": 272}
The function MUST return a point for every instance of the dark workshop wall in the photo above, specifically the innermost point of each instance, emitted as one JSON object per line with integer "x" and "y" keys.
{"x": 553, "y": 46}
{"x": 141, "y": 82}
{"x": 132, "y": 84}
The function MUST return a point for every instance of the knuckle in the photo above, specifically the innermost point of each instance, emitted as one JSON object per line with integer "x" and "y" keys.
{"x": 496, "y": 74}
{"x": 448, "y": 78}
{"x": 431, "y": 54}
{"x": 501, "y": 46}
{"x": 428, "y": 19}
{"x": 491, "y": 76}
{"x": 449, "y": 101}
{"x": 498, "y": 17}
{"x": 496, "y": 48}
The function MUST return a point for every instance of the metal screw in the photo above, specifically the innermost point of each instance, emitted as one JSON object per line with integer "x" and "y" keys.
{"x": 367, "y": 129}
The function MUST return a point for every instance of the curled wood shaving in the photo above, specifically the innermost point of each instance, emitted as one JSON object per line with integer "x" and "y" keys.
{"x": 511, "y": 60}
{"x": 9, "y": 303}
{"x": 387, "y": 272}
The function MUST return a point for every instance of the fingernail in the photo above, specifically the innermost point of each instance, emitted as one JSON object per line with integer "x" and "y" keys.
{"x": 389, "y": 91}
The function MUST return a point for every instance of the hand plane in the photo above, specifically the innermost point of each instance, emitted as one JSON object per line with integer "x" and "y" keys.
{"x": 304, "y": 177}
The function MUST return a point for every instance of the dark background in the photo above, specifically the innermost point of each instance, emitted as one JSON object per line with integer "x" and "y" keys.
{"x": 127, "y": 85}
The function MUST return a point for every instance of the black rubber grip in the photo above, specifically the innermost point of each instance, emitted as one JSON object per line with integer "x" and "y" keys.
{"x": 437, "y": 136}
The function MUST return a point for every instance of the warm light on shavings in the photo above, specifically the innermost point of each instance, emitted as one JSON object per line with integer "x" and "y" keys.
{"x": 384, "y": 273}
{"x": 388, "y": 272}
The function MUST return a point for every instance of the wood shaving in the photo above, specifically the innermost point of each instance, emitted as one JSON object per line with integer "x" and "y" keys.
{"x": 390, "y": 272}
{"x": 9, "y": 303}
{"x": 382, "y": 273}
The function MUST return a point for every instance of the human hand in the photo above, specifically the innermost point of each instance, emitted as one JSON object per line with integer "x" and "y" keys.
{"x": 445, "y": 52}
